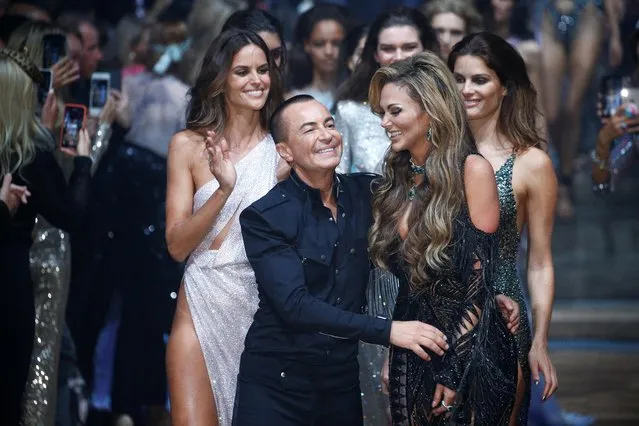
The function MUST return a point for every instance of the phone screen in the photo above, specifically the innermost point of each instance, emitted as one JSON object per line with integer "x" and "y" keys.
{"x": 53, "y": 49}
{"x": 73, "y": 123}
{"x": 99, "y": 93}
{"x": 611, "y": 94}
{"x": 44, "y": 86}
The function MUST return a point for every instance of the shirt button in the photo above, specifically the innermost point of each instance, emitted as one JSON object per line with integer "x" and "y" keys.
{"x": 352, "y": 251}
{"x": 283, "y": 195}
{"x": 330, "y": 219}
{"x": 336, "y": 271}
{"x": 336, "y": 244}
{"x": 343, "y": 214}
{"x": 323, "y": 257}
{"x": 110, "y": 234}
{"x": 339, "y": 300}
{"x": 173, "y": 295}
{"x": 283, "y": 375}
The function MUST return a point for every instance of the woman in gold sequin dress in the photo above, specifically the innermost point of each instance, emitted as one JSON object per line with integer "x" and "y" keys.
{"x": 501, "y": 104}
{"x": 394, "y": 35}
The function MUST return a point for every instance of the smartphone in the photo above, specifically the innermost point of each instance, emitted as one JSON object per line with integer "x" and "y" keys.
{"x": 100, "y": 86}
{"x": 54, "y": 47}
{"x": 45, "y": 85}
{"x": 74, "y": 117}
{"x": 630, "y": 95}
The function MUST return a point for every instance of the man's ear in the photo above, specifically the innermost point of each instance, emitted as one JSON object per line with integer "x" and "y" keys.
{"x": 284, "y": 150}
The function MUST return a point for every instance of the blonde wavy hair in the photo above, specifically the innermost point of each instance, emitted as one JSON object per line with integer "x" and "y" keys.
{"x": 19, "y": 126}
{"x": 431, "y": 85}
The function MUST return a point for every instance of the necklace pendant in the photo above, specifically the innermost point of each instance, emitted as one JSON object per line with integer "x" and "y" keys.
{"x": 411, "y": 193}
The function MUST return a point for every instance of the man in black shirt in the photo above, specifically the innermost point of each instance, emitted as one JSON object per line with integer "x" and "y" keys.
{"x": 307, "y": 242}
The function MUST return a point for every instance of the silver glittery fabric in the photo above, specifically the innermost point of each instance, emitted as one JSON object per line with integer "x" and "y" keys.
{"x": 220, "y": 284}
{"x": 506, "y": 277}
{"x": 50, "y": 259}
{"x": 365, "y": 141}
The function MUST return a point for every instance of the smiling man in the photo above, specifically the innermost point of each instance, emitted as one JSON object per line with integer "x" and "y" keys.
{"x": 307, "y": 243}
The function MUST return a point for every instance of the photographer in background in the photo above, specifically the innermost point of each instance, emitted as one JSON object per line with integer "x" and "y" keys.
{"x": 618, "y": 140}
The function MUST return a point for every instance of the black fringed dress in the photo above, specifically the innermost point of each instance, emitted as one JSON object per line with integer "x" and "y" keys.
{"x": 481, "y": 363}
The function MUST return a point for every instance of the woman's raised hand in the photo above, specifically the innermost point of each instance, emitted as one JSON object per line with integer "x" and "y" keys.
{"x": 220, "y": 163}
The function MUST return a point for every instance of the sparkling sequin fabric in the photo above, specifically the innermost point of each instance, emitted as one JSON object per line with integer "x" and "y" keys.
{"x": 365, "y": 141}
{"x": 506, "y": 278}
{"x": 220, "y": 284}
{"x": 481, "y": 361}
{"x": 50, "y": 258}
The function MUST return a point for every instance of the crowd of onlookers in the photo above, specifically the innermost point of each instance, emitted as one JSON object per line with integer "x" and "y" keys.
{"x": 82, "y": 246}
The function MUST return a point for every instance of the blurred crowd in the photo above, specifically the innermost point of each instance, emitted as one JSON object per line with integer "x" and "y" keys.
{"x": 82, "y": 241}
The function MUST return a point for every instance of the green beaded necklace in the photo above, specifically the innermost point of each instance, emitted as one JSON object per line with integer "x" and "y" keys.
{"x": 415, "y": 170}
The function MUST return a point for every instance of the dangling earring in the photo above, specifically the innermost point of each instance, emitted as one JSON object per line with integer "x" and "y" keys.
{"x": 429, "y": 134}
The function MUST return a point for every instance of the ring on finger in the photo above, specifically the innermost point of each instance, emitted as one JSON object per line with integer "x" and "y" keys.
{"x": 623, "y": 126}
{"x": 447, "y": 407}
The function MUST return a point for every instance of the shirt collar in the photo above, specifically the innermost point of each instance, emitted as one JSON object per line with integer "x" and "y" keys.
{"x": 314, "y": 193}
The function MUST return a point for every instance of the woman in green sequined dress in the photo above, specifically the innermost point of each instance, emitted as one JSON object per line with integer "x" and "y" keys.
{"x": 501, "y": 106}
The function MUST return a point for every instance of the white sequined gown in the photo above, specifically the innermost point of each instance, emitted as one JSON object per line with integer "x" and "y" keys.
{"x": 220, "y": 284}
{"x": 365, "y": 144}
{"x": 365, "y": 141}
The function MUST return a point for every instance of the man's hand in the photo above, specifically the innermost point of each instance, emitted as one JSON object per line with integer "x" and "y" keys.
{"x": 416, "y": 336}
{"x": 510, "y": 311}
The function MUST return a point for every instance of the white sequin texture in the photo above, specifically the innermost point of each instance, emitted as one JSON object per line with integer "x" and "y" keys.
{"x": 220, "y": 284}
{"x": 365, "y": 141}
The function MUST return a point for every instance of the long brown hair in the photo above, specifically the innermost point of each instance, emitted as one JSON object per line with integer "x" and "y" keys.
{"x": 518, "y": 115}
{"x": 207, "y": 105}
{"x": 430, "y": 84}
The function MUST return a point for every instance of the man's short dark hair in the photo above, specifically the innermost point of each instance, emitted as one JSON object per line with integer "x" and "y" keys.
{"x": 276, "y": 123}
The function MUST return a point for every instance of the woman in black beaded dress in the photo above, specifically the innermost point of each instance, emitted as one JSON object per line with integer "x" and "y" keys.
{"x": 435, "y": 211}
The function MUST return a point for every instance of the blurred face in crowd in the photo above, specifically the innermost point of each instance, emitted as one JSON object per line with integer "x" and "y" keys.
{"x": 274, "y": 44}
{"x": 405, "y": 121}
{"x": 480, "y": 87}
{"x": 312, "y": 142}
{"x": 397, "y": 43}
{"x": 357, "y": 54}
{"x": 502, "y": 10}
{"x": 450, "y": 29}
{"x": 91, "y": 52}
{"x": 248, "y": 81}
{"x": 74, "y": 48}
{"x": 323, "y": 46}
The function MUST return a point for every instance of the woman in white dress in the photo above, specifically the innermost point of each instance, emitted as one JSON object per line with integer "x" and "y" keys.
{"x": 221, "y": 163}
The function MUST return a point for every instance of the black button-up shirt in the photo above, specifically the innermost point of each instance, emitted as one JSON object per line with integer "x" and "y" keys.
{"x": 311, "y": 271}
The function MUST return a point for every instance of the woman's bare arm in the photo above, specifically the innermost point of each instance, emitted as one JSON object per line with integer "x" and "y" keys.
{"x": 185, "y": 229}
{"x": 541, "y": 196}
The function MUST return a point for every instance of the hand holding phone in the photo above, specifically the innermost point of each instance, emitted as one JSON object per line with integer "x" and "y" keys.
{"x": 74, "y": 117}
{"x": 54, "y": 48}
{"x": 100, "y": 86}
{"x": 65, "y": 72}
